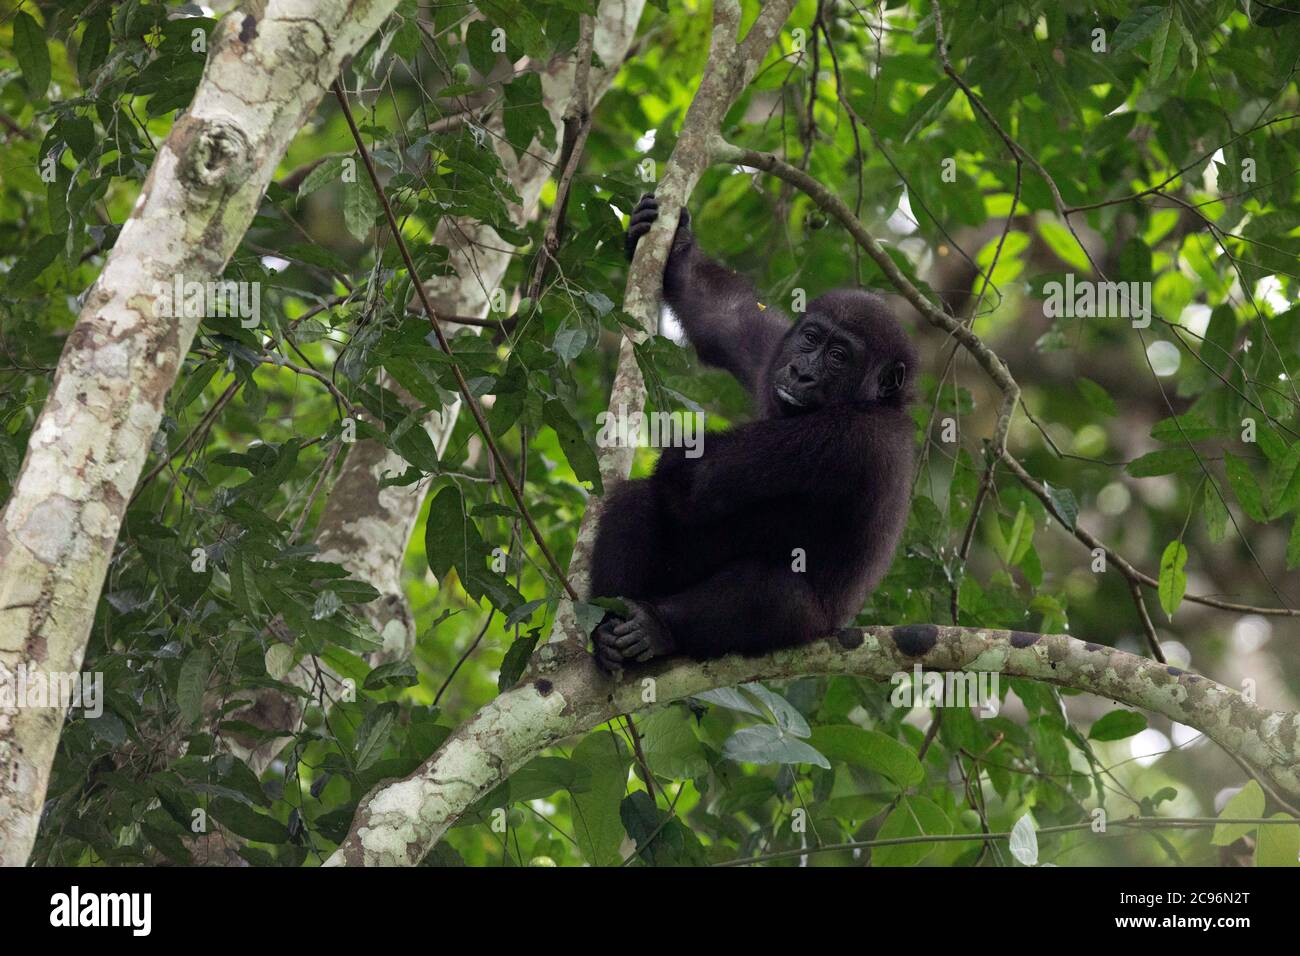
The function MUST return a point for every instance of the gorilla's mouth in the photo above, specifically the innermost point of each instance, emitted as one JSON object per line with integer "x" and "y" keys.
{"x": 786, "y": 396}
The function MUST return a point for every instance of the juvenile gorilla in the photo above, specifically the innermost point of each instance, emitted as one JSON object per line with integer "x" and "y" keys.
{"x": 777, "y": 534}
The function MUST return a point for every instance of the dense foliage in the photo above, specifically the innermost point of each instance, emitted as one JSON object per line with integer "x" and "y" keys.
{"x": 1178, "y": 146}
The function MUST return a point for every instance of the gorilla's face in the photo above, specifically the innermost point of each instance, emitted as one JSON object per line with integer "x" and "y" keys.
{"x": 822, "y": 362}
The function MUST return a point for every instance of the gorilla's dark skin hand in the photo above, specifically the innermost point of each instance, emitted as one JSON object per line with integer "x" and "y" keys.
{"x": 703, "y": 552}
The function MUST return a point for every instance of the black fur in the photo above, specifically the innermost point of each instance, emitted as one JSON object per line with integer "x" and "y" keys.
{"x": 702, "y": 551}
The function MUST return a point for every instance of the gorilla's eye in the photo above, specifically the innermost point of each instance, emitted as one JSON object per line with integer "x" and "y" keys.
{"x": 809, "y": 335}
{"x": 891, "y": 380}
{"x": 838, "y": 354}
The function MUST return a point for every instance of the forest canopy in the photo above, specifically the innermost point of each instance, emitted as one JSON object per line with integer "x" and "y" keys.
{"x": 311, "y": 332}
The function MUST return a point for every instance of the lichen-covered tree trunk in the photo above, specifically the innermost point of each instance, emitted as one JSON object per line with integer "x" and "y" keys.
{"x": 399, "y": 822}
{"x": 266, "y": 72}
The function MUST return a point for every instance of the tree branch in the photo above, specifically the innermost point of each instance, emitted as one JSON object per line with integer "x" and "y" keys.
{"x": 401, "y": 821}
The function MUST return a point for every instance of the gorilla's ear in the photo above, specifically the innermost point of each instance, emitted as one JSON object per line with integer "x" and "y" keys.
{"x": 892, "y": 380}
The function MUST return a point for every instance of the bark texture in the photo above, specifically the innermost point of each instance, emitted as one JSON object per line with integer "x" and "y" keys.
{"x": 401, "y": 821}
{"x": 266, "y": 72}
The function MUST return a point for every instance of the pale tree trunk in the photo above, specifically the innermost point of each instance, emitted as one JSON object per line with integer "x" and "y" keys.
{"x": 399, "y": 822}
{"x": 265, "y": 74}
{"x": 363, "y": 527}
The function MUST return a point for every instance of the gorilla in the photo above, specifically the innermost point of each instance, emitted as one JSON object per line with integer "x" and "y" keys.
{"x": 779, "y": 531}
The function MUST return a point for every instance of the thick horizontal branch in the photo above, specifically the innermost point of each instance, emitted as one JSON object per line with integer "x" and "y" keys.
{"x": 398, "y": 823}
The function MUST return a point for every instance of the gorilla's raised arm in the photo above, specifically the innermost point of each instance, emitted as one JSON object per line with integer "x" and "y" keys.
{"x": 718, "y": 308}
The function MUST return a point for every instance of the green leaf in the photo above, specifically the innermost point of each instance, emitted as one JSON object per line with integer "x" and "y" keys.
{"x": 515, "y": 660}
{"x": 1278, "y": 845}
{"x": 671, "y": 746}
{"x": 34, "y": 261}
{"x": 914, "y": 816}
{"x": 597, "y": 824}
{"x": 1173, "y": 581}
{"x": 523, "y": 612}
{"x": 372, "y": 736}
{"x": 1183, "y": 428}
{"x": 1017, "y": 541}
{"x": 94, "y": 47}
{"x": 579, "y": 454}
{"x": 243, "y": 820}
{"x": 1293, "y": 545}
{"x": 329, "y": 171}
{"x": 1117, "y": 725}
{"x": 32, "y": 55}
{"x": 1284, "y": 483}
{"x": 192, "y": 683}
{"x": 1136, "y": 27}
{"x": 543, "y": 776}
{"x": 520, "y": 23}
{"x": 1166, "y": 461}
{"x": 451, "y": 538}
{"x": 392, "y": 674}
{"x": 870, "y": 749}
{"x": 1064, "y": 502}
{"x": 1165, "y": 45}
{"x": 766, "y": 744}
{"x": 1216, "y": 512}
{"x": 1095, "y": 395}
{"x": 1248, "y": 803}
{"x": 525, "y": 117}
{"x": 360, "y": 208}
{"x": 1244, "y": 486}
{"x": 478, "y": 41}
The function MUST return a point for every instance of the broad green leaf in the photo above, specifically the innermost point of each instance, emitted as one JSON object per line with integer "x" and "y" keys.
{"x": 1118, "y": 725}
{"x": 1064, "y": 502}
{"x": 34, "y": 261}
{"x": 1293, "y": 545}
{"x": 1166, "y": 461}
{"x": 1247, "y": 804}
{"x": 1166, "y": 43}
{"x": 329, "y": 171}
{"x": 1244, "y": 486}
{"x": 1278, "y": 844}
{"x": 1183, "y": 428}
{"x": 870, "y": 749}
{"x": 360, "y": 207}
{"x": 1284, "y": 483}
{"x": 372, "y": 736}
{"x": 246, "y": 822}
{"x": 914, "y": 816}
{"x": 579, "y": 454}
{"x": 1136, "y": 27}
{"x": 670, "y": 744}
{"x": 1173, "y": 580}
{"x": 192, "y": 683}
{"x": 31, "y": 53}
{"x": 766, "y": 744}
{"x": 597, "y": 825}
{"x": 1095, "y": 395}
{"x": 1216, "y": 512}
